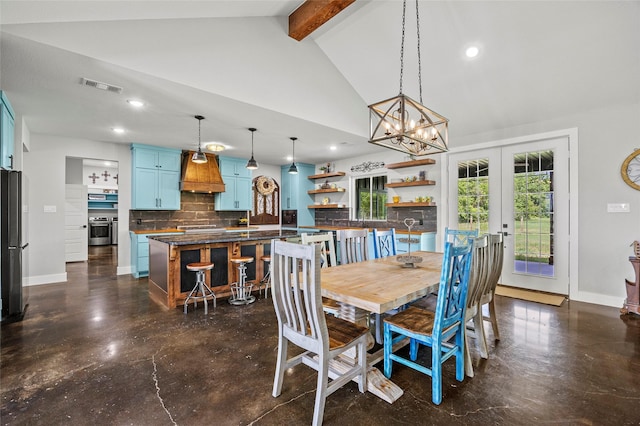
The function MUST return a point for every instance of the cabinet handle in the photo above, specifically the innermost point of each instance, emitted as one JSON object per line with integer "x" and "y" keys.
{"x": 160, "y": 200}
{"x": 11, "y": 158}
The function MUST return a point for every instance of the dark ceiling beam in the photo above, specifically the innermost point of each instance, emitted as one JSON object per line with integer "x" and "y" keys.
{"x": 311, "y": 14}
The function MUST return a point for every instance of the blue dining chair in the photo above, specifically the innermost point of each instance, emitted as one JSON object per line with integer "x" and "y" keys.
{"x": 442, "y": 330}
{"x": 384, "y": 243}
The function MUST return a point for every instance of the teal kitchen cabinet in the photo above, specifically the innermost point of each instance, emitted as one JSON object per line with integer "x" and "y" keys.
{"x": 155, "y": 178}
{"x": 7, "y": 129}
{"x": 140, "y": 252}
{"x": 237, "y": 181}
{"x": 295, "y": 192}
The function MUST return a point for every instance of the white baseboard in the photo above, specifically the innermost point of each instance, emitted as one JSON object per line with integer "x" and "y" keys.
{"x": 598, "y": 299}
{"x": 44, "y": 279}
{"x": 123, "y": 270}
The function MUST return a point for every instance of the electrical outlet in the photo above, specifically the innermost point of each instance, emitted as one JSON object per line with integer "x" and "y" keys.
{"x": 421, "y": 222}
{"x": 138, "y": 221}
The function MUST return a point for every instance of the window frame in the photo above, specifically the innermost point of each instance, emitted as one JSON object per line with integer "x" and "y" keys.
{"x": 355, "y": 199}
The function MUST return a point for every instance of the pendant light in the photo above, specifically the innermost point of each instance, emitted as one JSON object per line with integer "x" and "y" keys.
{"x": 401, "y": 123}
{"x": 293, "y": 169}
{"x": 199, "y": 157}
{"x": 252, "y": 164}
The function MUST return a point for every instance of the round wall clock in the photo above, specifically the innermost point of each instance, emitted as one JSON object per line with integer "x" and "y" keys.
{"x": 630, "y": 170}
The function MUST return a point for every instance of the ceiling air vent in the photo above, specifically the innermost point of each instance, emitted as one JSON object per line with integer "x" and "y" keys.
{"x": 100, "y": 85}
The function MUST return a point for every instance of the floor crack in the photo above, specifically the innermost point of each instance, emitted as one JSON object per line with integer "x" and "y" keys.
{"x": 280, "y": 405}
{"x": 155, "y": 380}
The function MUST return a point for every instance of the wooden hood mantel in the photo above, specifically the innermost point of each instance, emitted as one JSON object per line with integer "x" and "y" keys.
{"x": 203, "y": 177}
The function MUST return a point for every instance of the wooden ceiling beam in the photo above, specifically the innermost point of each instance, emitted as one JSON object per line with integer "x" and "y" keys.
{"x": 312, "y": 14}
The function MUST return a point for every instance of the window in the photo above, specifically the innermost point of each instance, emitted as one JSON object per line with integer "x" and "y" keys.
{"x": 473, "y": 195}
{"x": 371, "y": 198}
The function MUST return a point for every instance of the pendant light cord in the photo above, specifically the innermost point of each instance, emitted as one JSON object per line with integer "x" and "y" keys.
{"x": 404, "y": 13}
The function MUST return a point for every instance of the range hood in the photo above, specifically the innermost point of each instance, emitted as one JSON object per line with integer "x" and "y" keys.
{"x": 203, "y": 177}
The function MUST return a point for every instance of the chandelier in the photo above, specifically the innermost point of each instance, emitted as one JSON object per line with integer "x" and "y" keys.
{"x": 401, "y": 123}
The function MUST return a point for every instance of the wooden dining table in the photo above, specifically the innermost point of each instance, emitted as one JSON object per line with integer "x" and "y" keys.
{"x": 377, "y": 286}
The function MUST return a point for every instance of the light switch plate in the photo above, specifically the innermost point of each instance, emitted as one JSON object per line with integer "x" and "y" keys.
{"x": 50, "y": 209}
{"x": 618, "y": 208}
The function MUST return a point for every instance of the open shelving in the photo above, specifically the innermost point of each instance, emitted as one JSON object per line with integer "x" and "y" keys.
{"x": 327, "y": 206}
{"x": 413, "y": 183}
{"x": 327, "y": 175}
{"x": 410, "y": 204}
{"x": 102, "y": 201}
{"x": 324, "y": 191}
{"x": 412, "y": 163}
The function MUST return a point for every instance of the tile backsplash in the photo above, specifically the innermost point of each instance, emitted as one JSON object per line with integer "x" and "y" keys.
{"x": 195, "y": 209}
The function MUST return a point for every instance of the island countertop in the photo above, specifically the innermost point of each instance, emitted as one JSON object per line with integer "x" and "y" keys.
{"x": 221, "y": 237}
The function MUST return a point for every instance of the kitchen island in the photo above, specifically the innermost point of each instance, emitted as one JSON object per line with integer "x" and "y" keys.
{"x": 169, "y": 280}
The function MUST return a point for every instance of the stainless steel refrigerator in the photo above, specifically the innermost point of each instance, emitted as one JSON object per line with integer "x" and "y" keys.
{"x": 11, "y": 245}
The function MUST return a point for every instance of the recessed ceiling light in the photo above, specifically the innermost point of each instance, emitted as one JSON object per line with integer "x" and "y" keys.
{"x": 118, "y": 130}
{"x": 135, "y": 103}
{"x": 214, "y": 146}
{"x": 472, "y": 51}
{"x": 333, "y": 147}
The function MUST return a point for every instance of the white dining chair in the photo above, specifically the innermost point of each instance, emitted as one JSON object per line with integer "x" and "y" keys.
{"x": 296, "y": 295}
{"x": 327, "y": 258}
{"x": 354, "y": 245}
{"x": 496, "y": 250}
{"x": 478, "y": 279}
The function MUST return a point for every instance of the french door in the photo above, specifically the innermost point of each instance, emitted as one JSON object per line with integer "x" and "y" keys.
{"x": 521, "y": 190}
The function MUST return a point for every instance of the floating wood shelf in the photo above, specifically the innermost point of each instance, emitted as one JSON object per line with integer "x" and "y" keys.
{"x": 324, "y": 191}
{"x": 327, "y": 175}
{"x": 410, "y": 204}
{"x": 422, "y": 162}
{"x": 414, "y": 183}
{"x": 326, "y": 206}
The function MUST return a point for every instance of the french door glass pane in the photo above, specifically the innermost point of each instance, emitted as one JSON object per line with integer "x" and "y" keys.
{"x": 473, "y": 195}
{"x": 533, "y": 213}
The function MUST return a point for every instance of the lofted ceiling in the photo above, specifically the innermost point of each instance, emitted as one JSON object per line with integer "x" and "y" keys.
{"x": 233, "y": 62}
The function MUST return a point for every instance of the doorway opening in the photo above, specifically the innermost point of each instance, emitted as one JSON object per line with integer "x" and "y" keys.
{"x": 91, "y": 213}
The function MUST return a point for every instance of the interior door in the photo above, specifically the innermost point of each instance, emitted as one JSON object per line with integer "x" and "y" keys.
{"x": 76, "y": 219}
{"x": 521, "y": 190}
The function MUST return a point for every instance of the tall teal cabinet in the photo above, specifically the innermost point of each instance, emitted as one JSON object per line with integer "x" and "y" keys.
{"x": 237, "y": 182}
{"x": 7, "y": 129}
{"x": 294, "y": 192}
{"x": 155, "y": 178}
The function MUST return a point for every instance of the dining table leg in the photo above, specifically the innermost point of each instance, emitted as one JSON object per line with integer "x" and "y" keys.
{"x": 377, "y": 383}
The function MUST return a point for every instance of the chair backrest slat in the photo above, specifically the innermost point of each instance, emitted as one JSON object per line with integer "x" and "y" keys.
{"x": 353, "y": 245}
{"x": 480, "y": 272}
{"x": 384, "y": 243}
{"x": 496, "y": 252}
{"x": 296, "y": 293}
{"x": 452, "y": 293}
{"x": 327, "y": 247}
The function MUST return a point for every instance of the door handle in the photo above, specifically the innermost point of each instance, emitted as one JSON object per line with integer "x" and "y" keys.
{"x": 84, "y": 226}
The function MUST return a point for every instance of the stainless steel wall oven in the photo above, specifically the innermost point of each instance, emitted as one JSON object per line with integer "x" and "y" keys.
{"x": 99, "y": 231}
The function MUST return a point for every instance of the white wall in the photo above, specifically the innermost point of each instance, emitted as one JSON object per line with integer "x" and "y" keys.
{"x": 606, "y": 137}
{"x": 45, "y": 167}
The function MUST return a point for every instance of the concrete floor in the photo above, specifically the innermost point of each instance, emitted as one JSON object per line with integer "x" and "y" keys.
{"x": 95, "y": 350}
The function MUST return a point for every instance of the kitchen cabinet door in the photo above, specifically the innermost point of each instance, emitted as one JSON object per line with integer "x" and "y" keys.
{"x": 237, "y": 181}
{"x": 156, "y": 178}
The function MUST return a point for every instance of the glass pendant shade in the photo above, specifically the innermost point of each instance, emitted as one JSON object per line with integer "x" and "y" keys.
{"x": 293, "y": 169}
{"x": 199, "y": 157}
{"x": 252, "y": 164}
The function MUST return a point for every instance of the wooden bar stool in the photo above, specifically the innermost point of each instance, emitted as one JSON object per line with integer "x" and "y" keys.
{"x": 201, "y": 286}
{"x": 266, "y": 280}
{"x": 241, "y": 290}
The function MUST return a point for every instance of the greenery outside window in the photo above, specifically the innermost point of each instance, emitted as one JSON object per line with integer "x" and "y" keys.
{"x": 371, "y": 198}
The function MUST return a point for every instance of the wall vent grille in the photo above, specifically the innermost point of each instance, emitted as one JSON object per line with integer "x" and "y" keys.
{"x": 100, "y": 85}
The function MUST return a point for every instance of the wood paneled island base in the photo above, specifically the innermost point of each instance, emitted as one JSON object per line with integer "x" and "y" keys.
{"x": 169, "y": 280}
